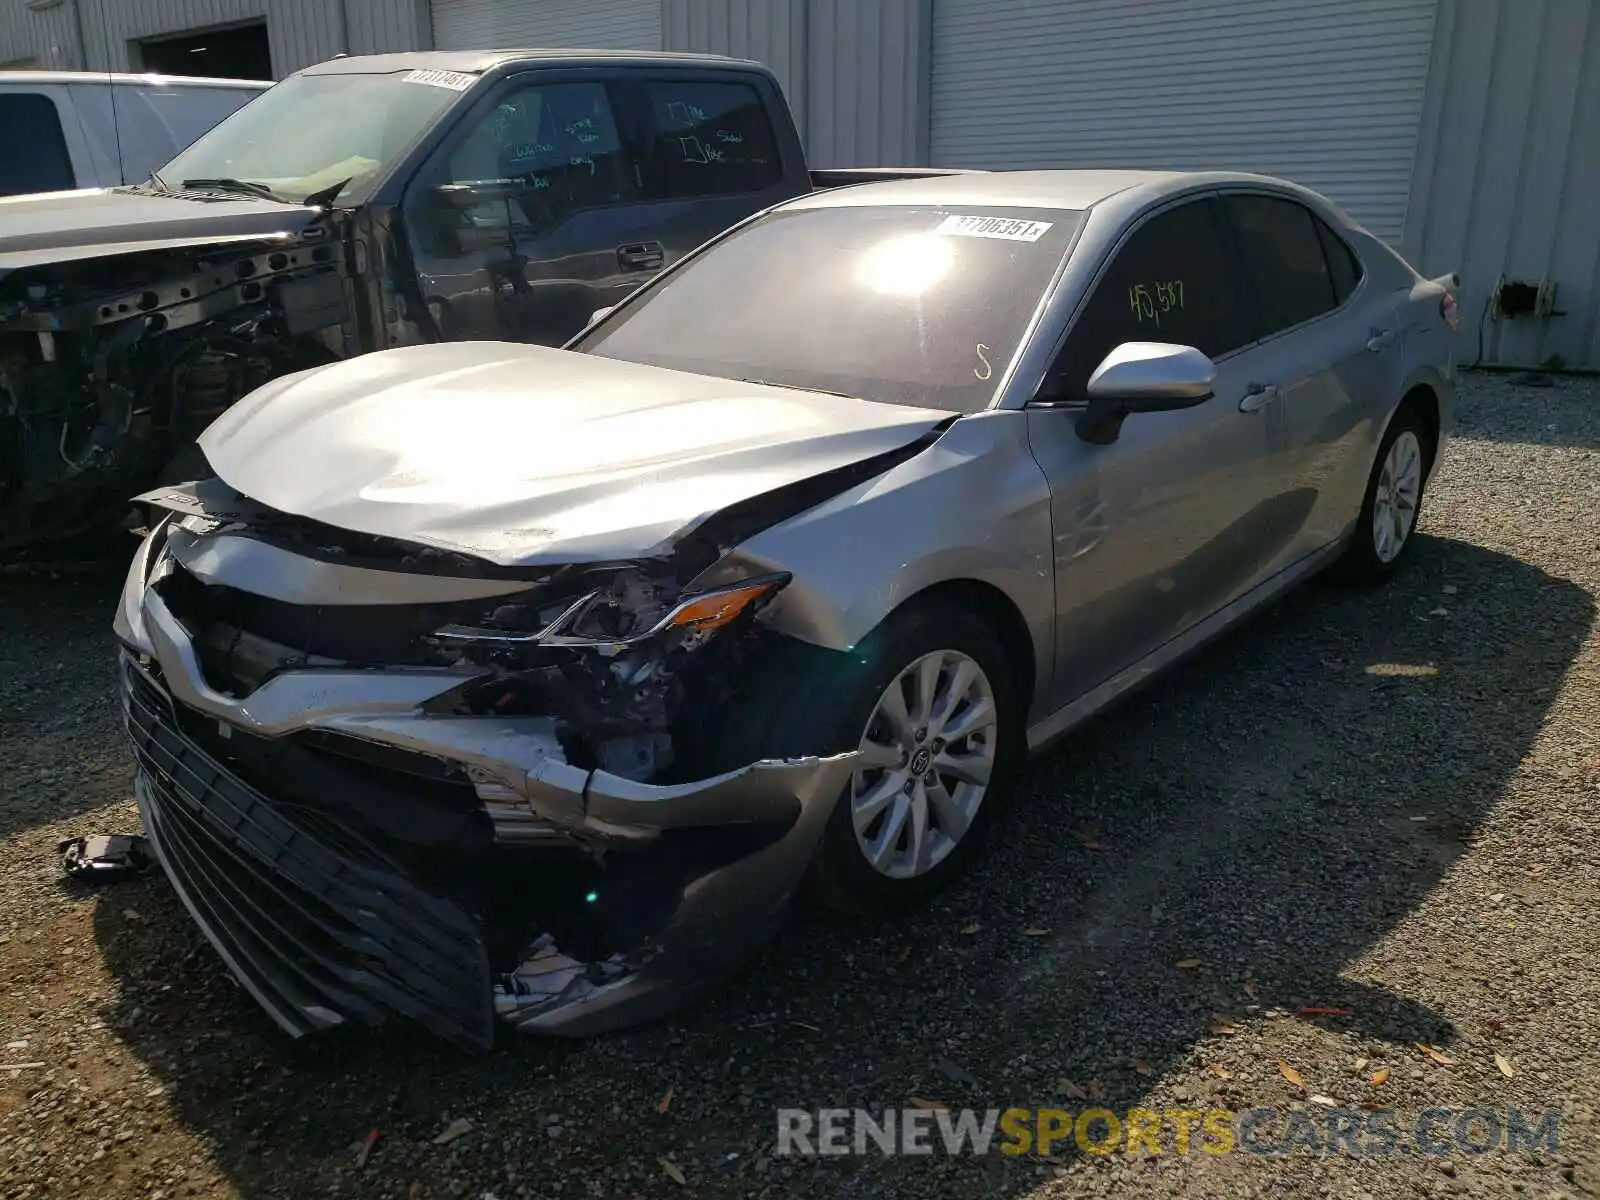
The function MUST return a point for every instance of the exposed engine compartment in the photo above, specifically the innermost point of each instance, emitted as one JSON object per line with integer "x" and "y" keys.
{"x": 111, "y": 366}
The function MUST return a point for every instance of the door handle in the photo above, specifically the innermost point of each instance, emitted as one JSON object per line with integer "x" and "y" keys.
{"x": 1381, "y": 339}
{"x": 1257, "y": 396}
{"x": 641, "y": 256}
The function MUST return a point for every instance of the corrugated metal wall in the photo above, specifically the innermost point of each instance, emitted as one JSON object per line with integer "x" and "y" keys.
{"x": 856, "y": 73}
{"x": 605, "y": 24}
{"x": 300, "y": 32}
{"x": 1328, "y": 93}
{"x": 48, "y": 38}
{"x": 1507, "y": 179}
{"x": 388, "y": 26}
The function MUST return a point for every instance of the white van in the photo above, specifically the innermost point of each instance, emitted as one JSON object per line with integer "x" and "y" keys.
{"x": 61, "y": 130}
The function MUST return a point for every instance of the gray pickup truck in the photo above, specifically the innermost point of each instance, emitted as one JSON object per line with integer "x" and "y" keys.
{"x": 360, "y": 204}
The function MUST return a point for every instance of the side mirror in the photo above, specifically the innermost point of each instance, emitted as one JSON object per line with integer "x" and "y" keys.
{"x": 1143, "y": 377}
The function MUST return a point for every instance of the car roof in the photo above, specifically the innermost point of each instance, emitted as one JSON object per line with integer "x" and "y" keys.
{"x": 1074, "y": 190}
{"x": 128, "y": 80}
{"x": 477, "y": 62}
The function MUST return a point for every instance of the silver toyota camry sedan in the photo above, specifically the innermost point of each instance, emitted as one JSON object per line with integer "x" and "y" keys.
{"x": 486, "y": 683}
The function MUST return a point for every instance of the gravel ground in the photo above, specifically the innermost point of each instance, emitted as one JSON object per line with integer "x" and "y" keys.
{"x": 1383, "y": 803}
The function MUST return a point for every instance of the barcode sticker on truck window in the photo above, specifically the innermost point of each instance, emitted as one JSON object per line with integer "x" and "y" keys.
{"x": 456, "y": 81}
{"x": 1008, "y": 228}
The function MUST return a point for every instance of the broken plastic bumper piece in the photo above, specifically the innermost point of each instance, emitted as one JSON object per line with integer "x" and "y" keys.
{"x": 325, "y": 925}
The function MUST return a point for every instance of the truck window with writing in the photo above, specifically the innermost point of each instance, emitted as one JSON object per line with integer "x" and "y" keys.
{"x": 33, "y": 152}
{"x": 560, "y": 141}
{"x": 1173, "y": 280}
{"x": 711, "y": 139}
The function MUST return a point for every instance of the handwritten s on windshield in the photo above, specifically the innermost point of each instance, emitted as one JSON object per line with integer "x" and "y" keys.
{"x": 984, "y": 371}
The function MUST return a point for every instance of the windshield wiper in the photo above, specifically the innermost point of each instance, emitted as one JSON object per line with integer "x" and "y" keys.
{"x": 793, "y": 387}
{"x": 246, "y": 186}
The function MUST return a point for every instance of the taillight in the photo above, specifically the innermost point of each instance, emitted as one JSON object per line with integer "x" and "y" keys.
{"x": 1447, "y": 310}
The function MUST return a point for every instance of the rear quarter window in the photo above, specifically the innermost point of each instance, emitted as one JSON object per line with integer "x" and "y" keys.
{"x": 1343, "y": 266}
{"x": 711, "y": 138}
{"x": 1281, "y": 245}
{"x": 33, "y": 150}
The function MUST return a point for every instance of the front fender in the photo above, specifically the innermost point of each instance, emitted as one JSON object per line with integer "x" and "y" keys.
{"x": 974, "y": 506}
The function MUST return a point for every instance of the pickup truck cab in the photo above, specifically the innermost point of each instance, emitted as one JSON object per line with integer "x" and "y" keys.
{"x": 61, "y": 130}
{"x": 360, "y": 204}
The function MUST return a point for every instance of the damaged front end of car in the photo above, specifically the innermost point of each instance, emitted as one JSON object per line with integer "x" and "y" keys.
{"x": 391, "y": 780}
{"x": 113, "y": 358}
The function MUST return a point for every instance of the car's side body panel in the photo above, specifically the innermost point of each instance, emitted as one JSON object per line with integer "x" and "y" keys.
{"x": 972, "y": 507}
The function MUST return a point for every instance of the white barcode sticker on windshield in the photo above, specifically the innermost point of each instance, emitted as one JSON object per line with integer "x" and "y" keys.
{"x": 456, "y": 81}
{"x": 1008, "y": 228}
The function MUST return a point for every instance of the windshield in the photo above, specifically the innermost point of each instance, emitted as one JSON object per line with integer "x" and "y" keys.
{"x": 919, "y": 306}
{"x": 311, "y": 132}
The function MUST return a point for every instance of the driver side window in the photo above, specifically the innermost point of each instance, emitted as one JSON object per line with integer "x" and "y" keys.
{"x": 560, "y": 141}
{"x": 1173, "y": 280}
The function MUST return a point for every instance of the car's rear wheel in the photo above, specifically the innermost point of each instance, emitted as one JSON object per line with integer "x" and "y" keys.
{"x": 929, "y": 700}
{"x": 1386, "y": 527}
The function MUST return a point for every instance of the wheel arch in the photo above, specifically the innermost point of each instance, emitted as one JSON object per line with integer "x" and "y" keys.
{"x": 1423, "y": 400}
{"x": 1000, "y": 612}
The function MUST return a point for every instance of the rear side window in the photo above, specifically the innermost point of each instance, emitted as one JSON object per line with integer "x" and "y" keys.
{"x": 711, "y": 139}
{"x": 1173, "y": 280}
{"x": 1283, "y": 249}
{"x": 1343, "y": 266}
{"x": 33, "y": 152}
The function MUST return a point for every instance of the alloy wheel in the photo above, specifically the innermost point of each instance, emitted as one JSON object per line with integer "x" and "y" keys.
{"x": 927, "y": 755}
{"x": 1394, "y": 503}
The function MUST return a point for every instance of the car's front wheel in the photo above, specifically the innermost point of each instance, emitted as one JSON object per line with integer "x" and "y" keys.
{"x": 929, "y": 701}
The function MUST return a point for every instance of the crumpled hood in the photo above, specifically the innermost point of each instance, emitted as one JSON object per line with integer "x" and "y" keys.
{"x": 526, "y": 455}
{"x": 59, "y": 226}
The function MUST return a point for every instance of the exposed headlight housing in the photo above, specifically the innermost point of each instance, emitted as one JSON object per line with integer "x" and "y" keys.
{"x": 609, "y": 620}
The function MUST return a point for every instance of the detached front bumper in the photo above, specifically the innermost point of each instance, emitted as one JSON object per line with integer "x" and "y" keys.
{"x": 324, "y": 925}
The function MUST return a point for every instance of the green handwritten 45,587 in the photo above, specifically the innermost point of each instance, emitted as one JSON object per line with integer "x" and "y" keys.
{"x": 1152, "y": 301}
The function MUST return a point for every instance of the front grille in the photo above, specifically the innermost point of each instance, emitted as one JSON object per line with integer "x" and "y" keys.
{"x": 319, "y": 926}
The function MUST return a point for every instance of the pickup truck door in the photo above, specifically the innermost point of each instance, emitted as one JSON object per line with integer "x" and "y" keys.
{"x": 556, "y": 195}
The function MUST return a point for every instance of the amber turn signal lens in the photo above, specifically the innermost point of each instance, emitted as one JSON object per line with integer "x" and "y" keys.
{"x": 715, "y": 609}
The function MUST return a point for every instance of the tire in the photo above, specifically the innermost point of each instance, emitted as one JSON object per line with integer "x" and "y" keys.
{"x": 1372, "y": 557}
{"x": 824, "y": 705}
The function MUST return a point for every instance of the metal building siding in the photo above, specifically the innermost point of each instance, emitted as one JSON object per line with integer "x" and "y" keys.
{"x": 1508, "y": 172}
{"x": 299, "y": 32}
{"x": 1325, "y": 92}
{"x": 867, "y": 82}
{"x": 49, "y": 37}
{"x": 770, "y": 31}
{"x": 601, "y": 24}
{"x": 389, "y": 26}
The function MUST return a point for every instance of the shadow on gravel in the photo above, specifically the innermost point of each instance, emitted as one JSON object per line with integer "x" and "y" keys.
{"x": 1257, "y": 810}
